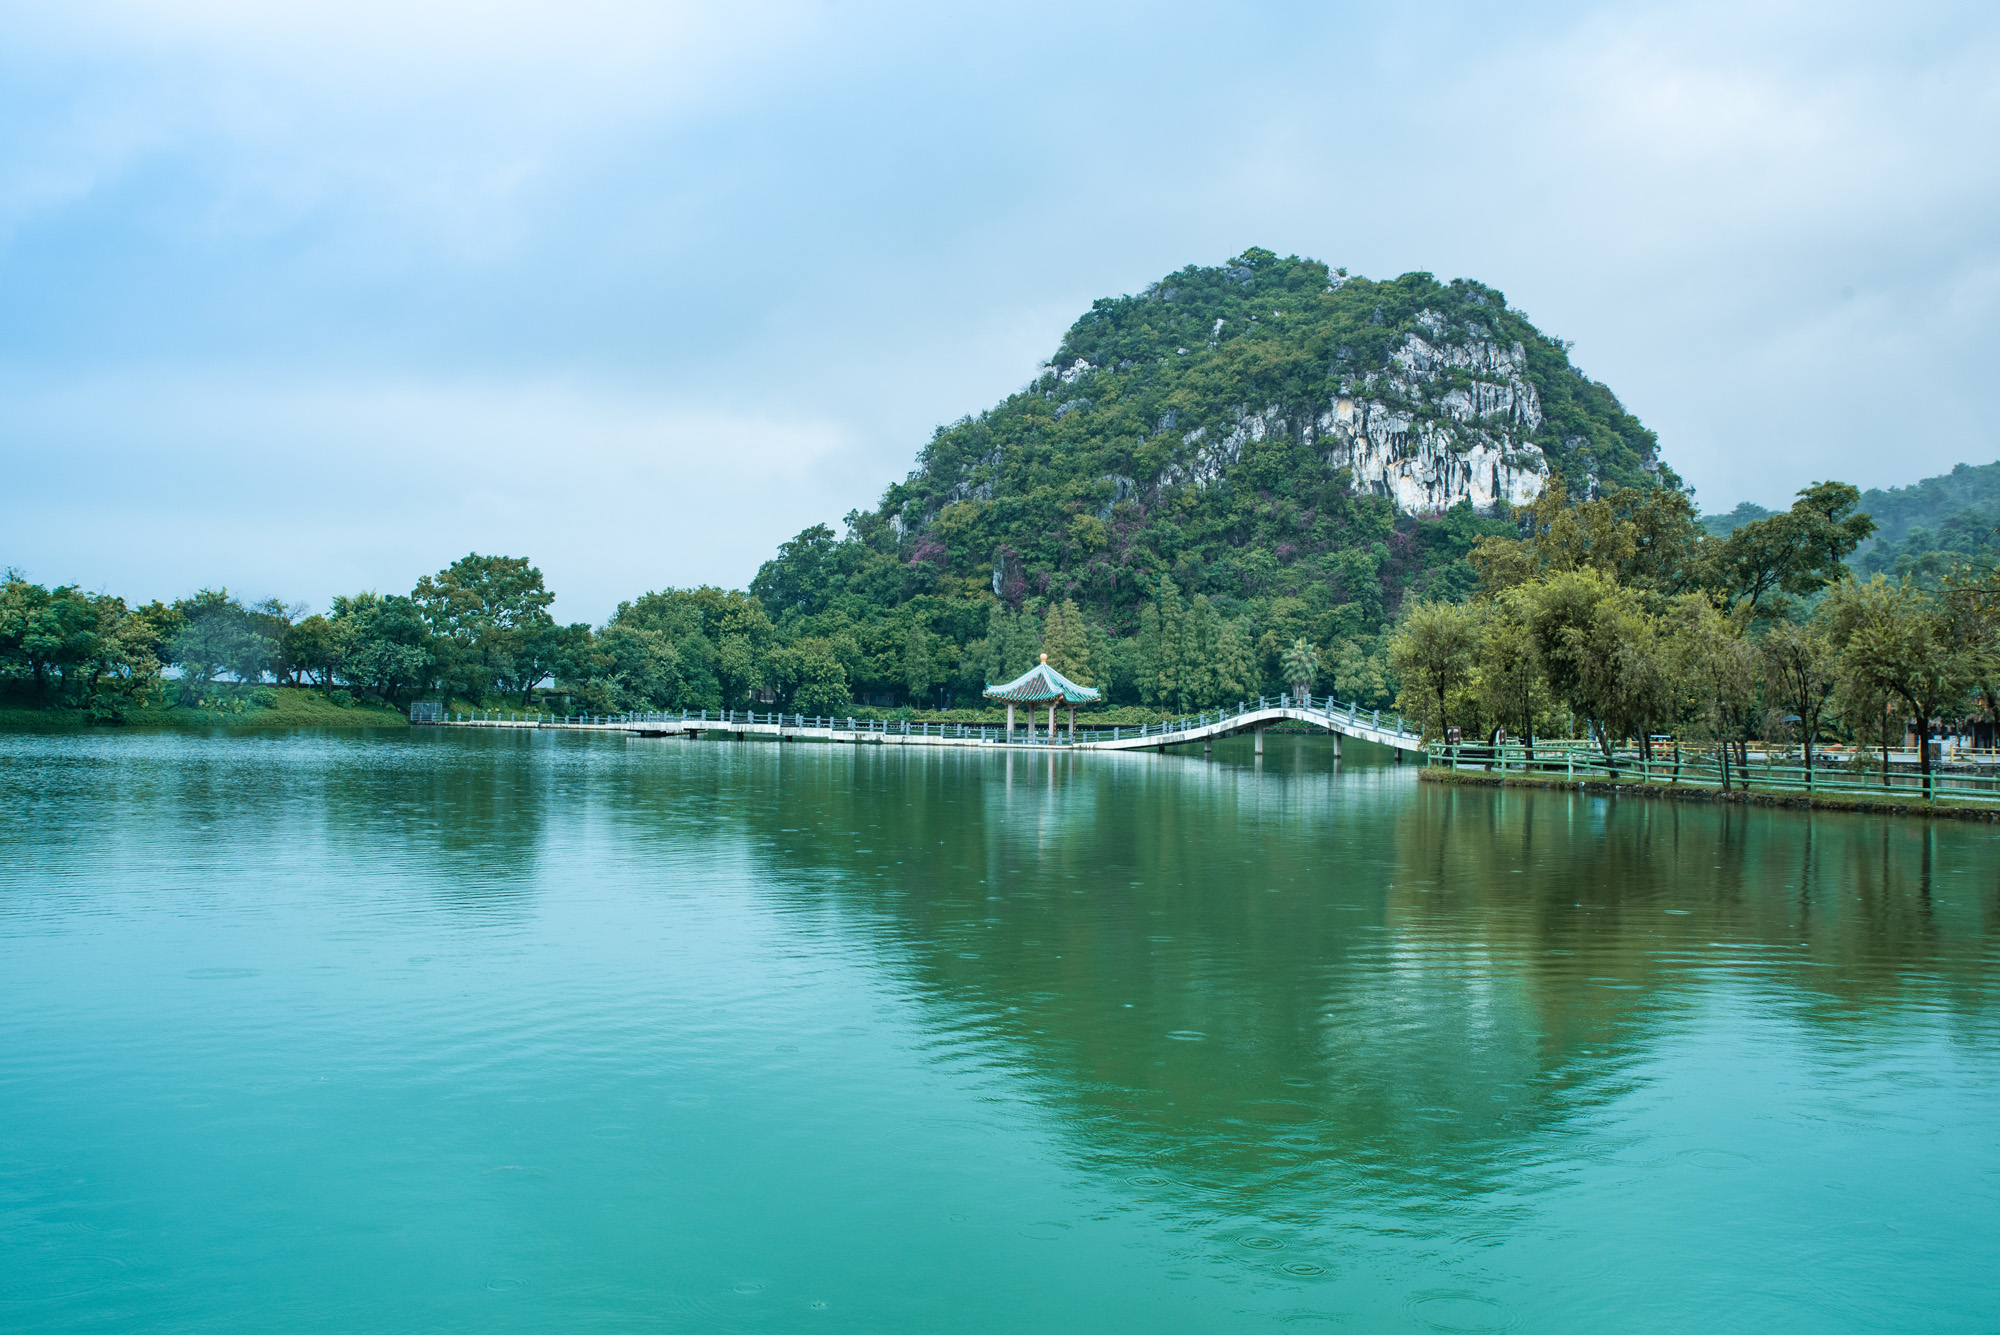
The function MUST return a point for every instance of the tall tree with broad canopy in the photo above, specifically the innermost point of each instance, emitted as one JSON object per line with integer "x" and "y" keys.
{"x": 487, "y": 612}
{"x": 1898, "y": 638}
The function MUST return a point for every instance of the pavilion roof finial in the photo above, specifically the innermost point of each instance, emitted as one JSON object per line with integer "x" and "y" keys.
{"x": 1045, "y": 658}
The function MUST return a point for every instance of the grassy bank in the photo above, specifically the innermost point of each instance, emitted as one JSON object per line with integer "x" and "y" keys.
{"x": 1882, "y": 806}
{"x": 261, "y": 707}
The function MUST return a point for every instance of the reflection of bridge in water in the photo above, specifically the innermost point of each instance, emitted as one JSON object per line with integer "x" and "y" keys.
{"x": 1326, "y": 713}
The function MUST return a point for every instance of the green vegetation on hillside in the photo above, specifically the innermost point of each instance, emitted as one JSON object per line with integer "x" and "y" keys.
{"x": 1922, "y": 530}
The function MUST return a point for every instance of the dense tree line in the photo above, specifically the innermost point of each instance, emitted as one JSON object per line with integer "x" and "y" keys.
{"x": 1624, "y": 618}
{"x": 475, "y": 630}
{"x": 1619, "y": 615}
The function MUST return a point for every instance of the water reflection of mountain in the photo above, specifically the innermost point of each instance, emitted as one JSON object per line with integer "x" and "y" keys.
{"x": 1237, "y": 977}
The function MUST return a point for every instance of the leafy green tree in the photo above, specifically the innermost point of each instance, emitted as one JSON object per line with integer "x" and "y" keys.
{"x": 388, "y": 649}
{"x": 1800, "y": 670}
{"x": 1168, "y": 632}
{"x": 28, "y": 640}
{"x": 804, "y": 576}
{"x": 1600, "y": 652}
{"x": 316, "y": 648}
{"x": 1432, "y": 652}
{"x": 1897, "y": 638}
{"x": 1361, "y": 672}
{"x": 217, "y": 635}
{"x": 1235, "y": 667}
{"x": 1714, "y": 671}
{"x": 822, "y": 690}
{"x": 1795, "y": 553}
{"x": 1067, "y": 641}
{"x": 641, "y": 665}
{"x": 486, "y": 614}
{"x": 919, "y": 673}
{"x": 1507, "y": 674}
{"x": 111, "y": 663}
{"x": 1012, "y": 642}
{"x": 275, "y": 620}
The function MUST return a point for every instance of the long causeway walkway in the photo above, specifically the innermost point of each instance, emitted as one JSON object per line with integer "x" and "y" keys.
{"x": 1252, "y": 717}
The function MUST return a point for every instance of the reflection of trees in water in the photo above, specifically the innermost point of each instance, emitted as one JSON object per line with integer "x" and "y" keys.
{"x": 205, "y": 812}
{"x": 1259, "y": 983}
{"x": 1840, "y": 913}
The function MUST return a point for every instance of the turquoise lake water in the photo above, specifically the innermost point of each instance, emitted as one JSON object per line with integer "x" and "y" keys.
{"x": 444, "y": 1031}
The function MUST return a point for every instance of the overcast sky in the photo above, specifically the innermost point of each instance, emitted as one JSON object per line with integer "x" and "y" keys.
{"x": 307, "y": 298}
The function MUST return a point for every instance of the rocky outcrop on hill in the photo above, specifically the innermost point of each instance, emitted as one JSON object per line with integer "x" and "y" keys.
{"x": 1224, "y": 408}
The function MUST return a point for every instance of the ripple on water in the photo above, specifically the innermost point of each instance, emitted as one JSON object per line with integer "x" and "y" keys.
{"x": 41, "y": 1278}
{"x": 1187, "y": 1035}
{"x": 223, "y": 973}
{"x": 1457, "y": 1311}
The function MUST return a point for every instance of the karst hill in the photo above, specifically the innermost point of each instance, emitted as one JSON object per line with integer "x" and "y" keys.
{"x": 1267, "y": 428}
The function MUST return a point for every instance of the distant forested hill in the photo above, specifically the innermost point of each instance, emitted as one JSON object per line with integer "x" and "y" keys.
{"x": 1921, "y": 529}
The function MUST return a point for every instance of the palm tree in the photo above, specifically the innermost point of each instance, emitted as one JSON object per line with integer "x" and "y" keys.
{"x": 1300, "y": 665}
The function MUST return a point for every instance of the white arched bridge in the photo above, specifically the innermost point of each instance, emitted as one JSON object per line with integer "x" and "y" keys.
{"x": 1342, "y": 720}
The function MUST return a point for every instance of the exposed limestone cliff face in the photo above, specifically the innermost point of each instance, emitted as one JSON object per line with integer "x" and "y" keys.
{"x": 1448, "y": 422}
{"x": 1259, "y": 426}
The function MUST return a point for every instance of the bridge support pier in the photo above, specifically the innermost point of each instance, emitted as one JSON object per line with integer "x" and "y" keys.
{"x": 1336, "y": 746}
{"x": 1258, "y": 732}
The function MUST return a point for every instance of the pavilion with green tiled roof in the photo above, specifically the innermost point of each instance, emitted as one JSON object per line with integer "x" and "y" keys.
{"x": 1042, "y": 684}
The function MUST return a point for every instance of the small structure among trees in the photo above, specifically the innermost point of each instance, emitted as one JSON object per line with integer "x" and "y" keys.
{"x": 1042, "y": 684}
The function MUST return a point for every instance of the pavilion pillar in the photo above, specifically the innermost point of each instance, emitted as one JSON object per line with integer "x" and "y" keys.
{"x": 1052, "y": 723}
{"x": 1072, "y": 725}
{"x": 1010, "y": 720}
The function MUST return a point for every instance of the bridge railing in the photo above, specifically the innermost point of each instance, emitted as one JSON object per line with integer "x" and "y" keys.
{"x": 1353, "y": 715}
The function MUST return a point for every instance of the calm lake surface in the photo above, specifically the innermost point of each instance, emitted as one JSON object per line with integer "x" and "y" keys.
{"x": 485, "y": 1032}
